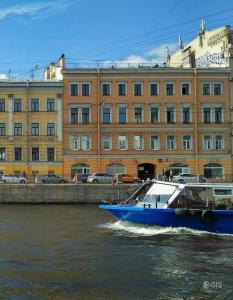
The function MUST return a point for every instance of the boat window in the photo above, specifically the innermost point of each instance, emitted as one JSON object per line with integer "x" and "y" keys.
{"x": 194, "y": 197}
{"x": 159, "y": 193}
{"x": 222, "y": 192}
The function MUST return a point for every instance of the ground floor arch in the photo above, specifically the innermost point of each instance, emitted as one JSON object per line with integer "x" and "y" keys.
{"x": 213, "y": 171}
{"x": 146, "y": 170}
{"x": 115, "y": 168}
{"x": 80, "y": 169}
{"x": 177, "y": 168}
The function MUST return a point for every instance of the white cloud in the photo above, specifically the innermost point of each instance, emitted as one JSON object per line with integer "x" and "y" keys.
{"x": 152, "y": 57}
{"x": 35, "y": 10}
{"x": 3, "y": 76}
{"x": 159, "y": 53}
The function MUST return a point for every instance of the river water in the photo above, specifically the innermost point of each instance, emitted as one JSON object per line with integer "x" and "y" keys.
{"x": 82, "y": 252}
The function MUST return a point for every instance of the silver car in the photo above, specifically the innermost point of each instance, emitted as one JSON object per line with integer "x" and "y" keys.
{"x": 13, "y": 179}
{"x": 186, "y": 178}
{"x": 100, "y": 178}
{"x": 50, "y": 178}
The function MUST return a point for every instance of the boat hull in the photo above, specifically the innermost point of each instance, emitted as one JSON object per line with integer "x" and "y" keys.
{"x": 169, "y": 218}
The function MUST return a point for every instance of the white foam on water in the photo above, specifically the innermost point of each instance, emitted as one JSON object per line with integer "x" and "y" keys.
{"x": 145, "y": 230}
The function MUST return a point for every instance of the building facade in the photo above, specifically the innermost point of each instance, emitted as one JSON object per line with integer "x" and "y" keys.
{"x": 31, "y": 127}
{"x": 144, "y": 120}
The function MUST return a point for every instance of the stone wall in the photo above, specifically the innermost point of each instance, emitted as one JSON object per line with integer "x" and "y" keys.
{"x": 62, "y": 193}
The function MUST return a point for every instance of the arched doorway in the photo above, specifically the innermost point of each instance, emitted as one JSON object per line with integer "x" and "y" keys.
{"x": 214, "y": 171}
{"x": 80, "y": 169}
{"x": 179, "y": 168}
{"x": 115, "y": 168}
{"x": 146, "y": 171}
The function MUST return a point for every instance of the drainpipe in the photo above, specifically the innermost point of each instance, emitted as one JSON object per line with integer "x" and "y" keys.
{"x": 98, "y": 120}
{"x": 27, "y": 133}
{"x": 195, "y": 120}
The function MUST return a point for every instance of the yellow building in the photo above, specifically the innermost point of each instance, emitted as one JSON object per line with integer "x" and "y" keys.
{"x": 31, "y": 127}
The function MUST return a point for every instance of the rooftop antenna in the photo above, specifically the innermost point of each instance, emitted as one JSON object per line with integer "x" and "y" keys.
{"x": 33, "y": 71}
{"x": 202, "y": 26}
{"x": 9, "y": 74}
{"x": 181, "y": 43}
{"x": 167, "y": 54}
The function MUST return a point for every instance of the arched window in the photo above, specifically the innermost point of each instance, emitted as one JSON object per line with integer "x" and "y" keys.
{"x": 115, "y": 168}
{"x": 179, "y": 168}
{"x": 213, "y": 170}
{"x": 80, "y": 169}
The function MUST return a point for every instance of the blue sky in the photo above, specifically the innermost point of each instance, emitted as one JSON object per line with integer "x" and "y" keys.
{"x": 36, "y": 32}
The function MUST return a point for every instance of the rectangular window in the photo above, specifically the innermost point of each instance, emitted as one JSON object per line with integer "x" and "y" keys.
{"x": 35, "y": 154}
{"x": 76, "y": 143}
{"x": 217, "y": 89}
{"x": 206, "y": 115}
{"x": 85, "y": 115}
{"x": 85, "y": 89}
{"x": 169, "y": 89}
{"x": 2, "y": 129}
{"x": 35, "y": 129}
{"x": 74, "y": 115}
{"x": 85, "y": 142}
{"x": 170, "y": 110}
{"x": 154, "y": 114}
{"x": 122, "y": 114}
{"x": 154, "y": 142}
{"x": 206, "y": 89}
{"x": 121, "y": 89}
{"x": 50, "y": 154}
{"x": 218, "y": 114}
{"x": 74, "y": 89}
{"x": 106, "y": 89}
{"x": 18, "y": 153}
{"x": 106, "y": 114}
{"x": 17, "y": 105}
{"x": 106, "y": 142}
{"x": 208, "y": 143}
{"x": 219, "y": 142}
{"x": 50, "y": 104}
{"x": 17, "y": 129}
{"x": 171, "y": 142}
{"x": 187, "y": 142}
{"x": 2, "y": 153}
{"x": 35, "y": 105}
{"x": 2, "y": 105}
{"x": 51, "y": 129}
{"x": 137, "y": 89}
{"x": 185, "y": 89}
{"x": 138, "y": 142}
{"x": 122, "y": 142}
{"x": 153, "y": 89}
{"x": 186, "y": 115}
{"x": 82, "y": 142}
{"x": 138, "y": 117}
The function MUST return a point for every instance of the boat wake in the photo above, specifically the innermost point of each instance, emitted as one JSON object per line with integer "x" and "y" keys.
{"x": 145, "y": 230}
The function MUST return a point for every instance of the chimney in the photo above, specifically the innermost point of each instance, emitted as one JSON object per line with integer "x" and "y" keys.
{"x": 62, "y": 61}
{"x": 46, "y": 73}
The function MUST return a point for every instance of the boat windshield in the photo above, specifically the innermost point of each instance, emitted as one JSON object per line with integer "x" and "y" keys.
{"x": 158, "y": 193}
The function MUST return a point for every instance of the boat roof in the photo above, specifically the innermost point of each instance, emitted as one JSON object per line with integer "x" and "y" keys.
{"x": 196, "y": 184}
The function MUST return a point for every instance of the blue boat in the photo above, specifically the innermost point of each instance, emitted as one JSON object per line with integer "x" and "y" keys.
{"x": 207, "y": 207}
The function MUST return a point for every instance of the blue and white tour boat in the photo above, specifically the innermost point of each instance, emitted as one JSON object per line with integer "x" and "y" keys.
{"x": 200, "y": 206}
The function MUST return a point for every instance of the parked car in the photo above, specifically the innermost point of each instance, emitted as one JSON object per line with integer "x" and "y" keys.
{"x": 101, "y": 178}
{"x": 14, "y": 178}
{"x": 186, "y": 178}
{"x": 126, "y": 178}
{"x": 50, "y": 178}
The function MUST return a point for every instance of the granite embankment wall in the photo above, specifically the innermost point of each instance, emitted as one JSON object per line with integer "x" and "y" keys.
{"x": 61, "y": 193}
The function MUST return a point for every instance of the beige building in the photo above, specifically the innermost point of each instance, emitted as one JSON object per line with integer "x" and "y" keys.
{"x": 31, "y": 127}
